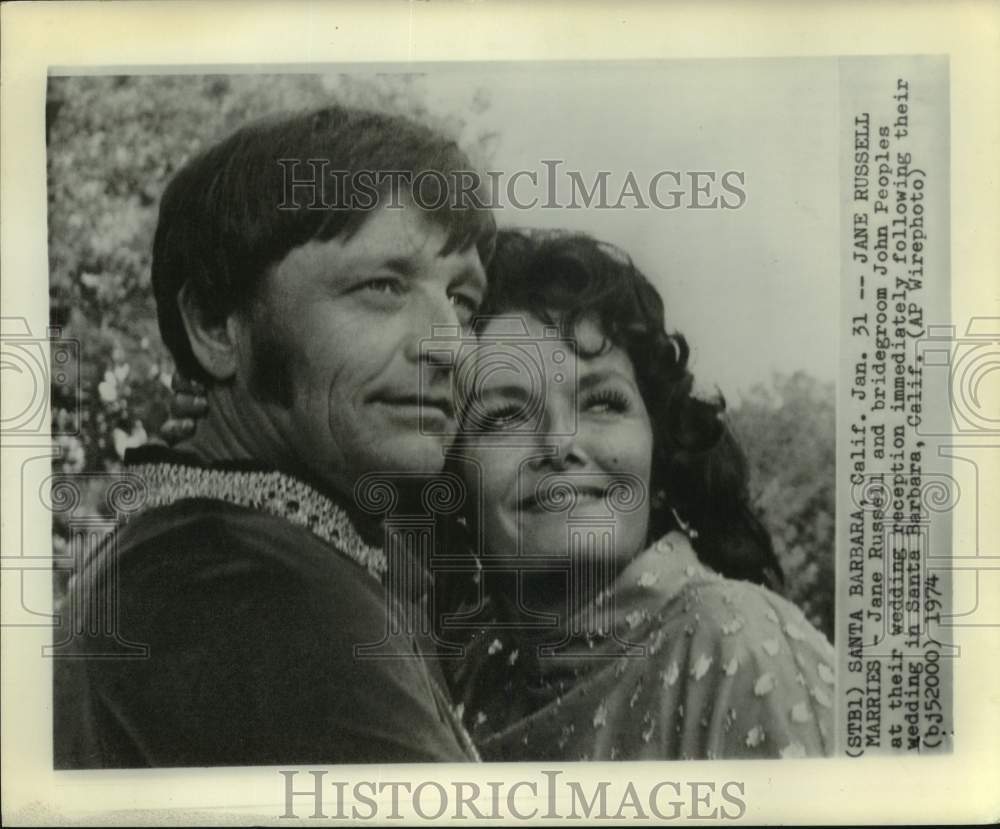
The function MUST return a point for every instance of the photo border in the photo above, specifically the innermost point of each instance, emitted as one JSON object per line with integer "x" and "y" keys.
{"x": 119, "y": 36}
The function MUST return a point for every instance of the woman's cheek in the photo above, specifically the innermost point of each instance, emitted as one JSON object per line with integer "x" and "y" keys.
{"x": 485, "y": 475}
{"x": 500, "y": 497}
{"x": 637, "y": 448}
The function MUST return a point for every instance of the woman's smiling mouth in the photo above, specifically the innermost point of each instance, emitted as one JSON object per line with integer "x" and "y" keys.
{"x": 561, "y": 496}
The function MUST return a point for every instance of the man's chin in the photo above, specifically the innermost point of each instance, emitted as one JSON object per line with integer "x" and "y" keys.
{"x": 414, "y": 454}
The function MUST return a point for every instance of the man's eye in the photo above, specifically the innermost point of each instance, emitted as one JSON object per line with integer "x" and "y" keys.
{"x": 467, "y": 303}
{"x": 466, "y": 307}
{"x": 382, "y": 285}
{"x": 607, "y": 401}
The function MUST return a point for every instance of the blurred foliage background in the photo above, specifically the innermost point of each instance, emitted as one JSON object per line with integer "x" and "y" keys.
{"x": 787, "y": 429}
{"x": 114, "y": 142}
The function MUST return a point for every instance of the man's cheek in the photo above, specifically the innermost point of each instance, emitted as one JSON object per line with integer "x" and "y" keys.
{"x": 344, "y": 401}
{"x": 272, "y": 367}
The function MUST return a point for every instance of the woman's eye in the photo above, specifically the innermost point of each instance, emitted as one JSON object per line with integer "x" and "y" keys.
{"x": 502, "y": 418}
{"x": 607, "y": 402}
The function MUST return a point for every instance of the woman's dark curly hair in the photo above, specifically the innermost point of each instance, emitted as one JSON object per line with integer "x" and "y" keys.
{"x": 699, "y": 472}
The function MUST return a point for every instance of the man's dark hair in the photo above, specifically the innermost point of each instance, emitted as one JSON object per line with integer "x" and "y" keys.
{"x": 230, "y": 213}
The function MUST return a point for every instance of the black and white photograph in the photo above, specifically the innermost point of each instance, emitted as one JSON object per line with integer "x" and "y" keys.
{"x": 353, "y": 328}
{"x": 387, "y": 413}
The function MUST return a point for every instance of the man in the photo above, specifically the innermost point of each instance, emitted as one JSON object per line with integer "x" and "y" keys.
{"x": 248, "y": 575}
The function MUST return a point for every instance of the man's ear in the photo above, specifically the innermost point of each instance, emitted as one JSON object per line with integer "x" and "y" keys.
{"x": 213, "y": 340}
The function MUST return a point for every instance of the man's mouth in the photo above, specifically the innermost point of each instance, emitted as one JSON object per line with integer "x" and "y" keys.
{"x": 420, "y": 405}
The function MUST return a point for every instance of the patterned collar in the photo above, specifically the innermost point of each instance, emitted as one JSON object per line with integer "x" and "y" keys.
{"x": 270, "y": 492}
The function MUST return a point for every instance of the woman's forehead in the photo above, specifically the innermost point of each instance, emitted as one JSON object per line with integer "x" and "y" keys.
{"x": 520, "y": 324}
{"x": 543, "y": 348}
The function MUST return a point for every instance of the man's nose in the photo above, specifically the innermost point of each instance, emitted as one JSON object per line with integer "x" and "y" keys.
{"x": 435, "y": 332}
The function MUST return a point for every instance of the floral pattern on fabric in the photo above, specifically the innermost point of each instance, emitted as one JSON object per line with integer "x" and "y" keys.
{"x": 698, "y": 666}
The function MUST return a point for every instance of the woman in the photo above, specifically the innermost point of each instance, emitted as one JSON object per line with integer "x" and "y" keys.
{"x": 624, "y": 500}
{"x": 623, "y": 608}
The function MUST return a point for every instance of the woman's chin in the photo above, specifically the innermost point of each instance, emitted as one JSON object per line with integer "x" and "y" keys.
{"x": 555, "y": 538}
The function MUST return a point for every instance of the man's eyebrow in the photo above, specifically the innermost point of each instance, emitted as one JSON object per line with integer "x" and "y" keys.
{"x": 407, "y": 266}
{"x": 398, "y": 263}
{"x": 402, "y": 265}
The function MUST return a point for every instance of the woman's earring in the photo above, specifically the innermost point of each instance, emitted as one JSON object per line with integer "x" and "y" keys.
{"x": 686, "y": 528}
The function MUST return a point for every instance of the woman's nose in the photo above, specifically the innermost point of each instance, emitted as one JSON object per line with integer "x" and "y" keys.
{"x": 562, "y": 439}
{"x": 567, "y": 453}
